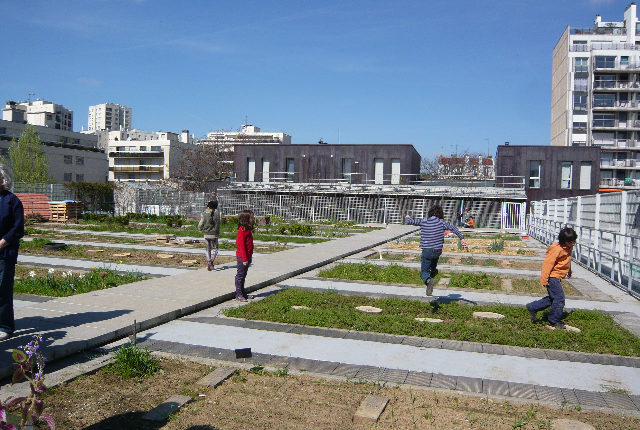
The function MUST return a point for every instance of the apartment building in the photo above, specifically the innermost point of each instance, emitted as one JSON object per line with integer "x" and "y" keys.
{"x": 109, "y": 117}
{"x": 39, "y": 112}
{"x": 248, "y": 134}
{"x": 73, "y": 157}
{"x": 139, "y": 156}
{"x": 466, "y": 167}
{"x": 595, "y": 96}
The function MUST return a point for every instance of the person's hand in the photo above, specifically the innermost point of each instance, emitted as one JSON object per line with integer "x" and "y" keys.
{"x": 244, "y": 263}
{"x": 3, "y": 243}
{"x": 463, "y": 243}
{"x": 407, "y": 216}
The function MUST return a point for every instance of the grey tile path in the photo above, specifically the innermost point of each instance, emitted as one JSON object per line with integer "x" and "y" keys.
{"x": 71, "y": 324}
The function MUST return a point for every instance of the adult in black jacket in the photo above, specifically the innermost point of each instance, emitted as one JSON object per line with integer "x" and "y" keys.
{"x": 11, "y": 230}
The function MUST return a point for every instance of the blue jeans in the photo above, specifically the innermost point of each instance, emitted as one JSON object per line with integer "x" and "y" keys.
{"x": 429, "y": 261}
{"x": 555, "y": 299}
{"x": 7, "y": 274}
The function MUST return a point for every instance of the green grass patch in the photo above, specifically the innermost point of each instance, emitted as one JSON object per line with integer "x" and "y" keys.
{"x": 330, "y": 309}
{"x": 59, "y": 283}
{"x": 393, "y": 273}
{"x": 133, "y": 362}
{"x": 477, "y": 281}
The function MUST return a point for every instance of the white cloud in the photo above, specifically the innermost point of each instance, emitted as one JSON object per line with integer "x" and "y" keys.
{"x": 91, "y": 82}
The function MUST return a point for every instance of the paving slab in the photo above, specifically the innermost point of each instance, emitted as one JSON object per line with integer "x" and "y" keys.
{"x": 370, "y": 409}
{"x": 166, "y": 408}
{"x": 217, "y": 377}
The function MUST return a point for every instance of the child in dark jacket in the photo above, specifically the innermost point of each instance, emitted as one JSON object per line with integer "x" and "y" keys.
{"x": 556, "y": 265}
{"x": 432, "y": 231}
{"x": 244, "y": 252}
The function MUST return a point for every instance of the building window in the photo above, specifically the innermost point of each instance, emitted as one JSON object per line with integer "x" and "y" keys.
{"x": 68, "y": 159}
{"x": 156, "y": 148}
{"x": 79, "y": 177}
{"x": 119, "y": 148}
{"x": 585, "y": 175}
{"x": 580, "y": 127}
{"x": 143, "y": 148}
{"x": 580, "y": 102}
{"x": 624, "y": 60}
{"x": 566, "y": 175}
{"x": 346, "y": 168}
{"x": 535, "y": 168}
{"x": 68, "y": 177}
{"x": 3, "y": 130}
{"x": 604, "y": 100}
{"x": 605, "y": 62}
{"x": 604, "y": 120}
{"x": 80, "y": 161}
{"x": 291, "y": 168}
{"x": 582, "y": 65}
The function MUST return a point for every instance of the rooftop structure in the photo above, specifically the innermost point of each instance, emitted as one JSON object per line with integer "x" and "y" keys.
{"x": 595, "y": 95}
{"x": 466, "y": 166}
{"x": 249, "y": 134}
{"x": 39, "y": 112}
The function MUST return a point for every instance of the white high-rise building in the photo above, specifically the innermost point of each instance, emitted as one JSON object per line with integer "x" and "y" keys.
{"x": 595, "y": 96}
{"x": 247, "y": 135}
{"x": 39, "y": 112}
{"x": 109, "y": 117}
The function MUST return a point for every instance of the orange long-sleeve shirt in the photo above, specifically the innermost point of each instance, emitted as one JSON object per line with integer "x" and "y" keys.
{"x": 557, "y": 263}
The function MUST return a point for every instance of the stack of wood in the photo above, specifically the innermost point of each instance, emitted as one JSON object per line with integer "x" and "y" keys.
{"x": 65, "y": 211}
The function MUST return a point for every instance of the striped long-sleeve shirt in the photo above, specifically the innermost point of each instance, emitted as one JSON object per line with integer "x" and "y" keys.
{"x": 432, "y": 231}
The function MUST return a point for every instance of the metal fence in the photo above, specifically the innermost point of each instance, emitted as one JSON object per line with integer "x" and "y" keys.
{"x": 60, "y": 192}
{"x": 608, "y": 228}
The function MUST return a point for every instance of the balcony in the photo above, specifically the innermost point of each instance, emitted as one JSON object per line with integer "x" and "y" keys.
{"x": 617, "y": 163}
{"x": 615, "y": 85}
{"x": 610, "y": 105}
{"x": 619, "y": 183}
{"x": 616, "y": 143}
{"x": 136, "y": 168}
{"x": 136, "y": 154}
{"x": 612, "y": 123}
{"x": 618, "y": 31}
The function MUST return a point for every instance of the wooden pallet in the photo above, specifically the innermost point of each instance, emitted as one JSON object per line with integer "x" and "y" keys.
{"x": 64, "y": 211}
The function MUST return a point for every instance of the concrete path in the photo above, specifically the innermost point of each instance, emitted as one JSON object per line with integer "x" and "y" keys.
{"x": 71, "y": 263}
{"x": 71, "y": 324}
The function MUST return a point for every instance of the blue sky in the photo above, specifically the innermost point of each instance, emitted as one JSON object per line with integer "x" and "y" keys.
{"x": 434, "y": 74}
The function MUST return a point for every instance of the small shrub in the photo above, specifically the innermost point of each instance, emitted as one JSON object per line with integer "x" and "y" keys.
{"x": 282, "y": 229}
{"x": 120, "y": 220}
{"x": 258, "y": 370}
{"x": 133, "y": 362}
{"x": 496, "y": 245}
{"x": 281, "y": 372}
{"x": 470, "y": 280}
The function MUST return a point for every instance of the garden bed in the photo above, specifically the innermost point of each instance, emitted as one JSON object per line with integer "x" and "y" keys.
{"x": 396, "y": 274}
{"x": 118, "y": 255}
{"x": 471, "y": 248}
{"x": 266, "y": 400}
{"x": 465, "y": 261}
{"x": 600, "y": 334}
{"x": 62, "y": 283}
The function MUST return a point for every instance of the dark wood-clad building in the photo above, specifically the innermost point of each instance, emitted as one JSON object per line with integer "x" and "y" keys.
{"x": 373, "y": 164}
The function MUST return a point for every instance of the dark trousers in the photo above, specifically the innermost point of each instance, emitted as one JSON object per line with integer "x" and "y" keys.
{"x": 555, "y": 299}
{"x": 241, "y": 275}
{"x": 429, "y": 261}
{"x": 7, "y": 274}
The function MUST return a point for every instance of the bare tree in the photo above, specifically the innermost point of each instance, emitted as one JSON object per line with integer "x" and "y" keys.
{"x": 429, "y": 167}
{"x": 203, "y": 163}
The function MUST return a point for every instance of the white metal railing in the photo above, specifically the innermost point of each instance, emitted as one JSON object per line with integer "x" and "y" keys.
{"x": 618, "y": 143}
{"x": 608, "y": 228}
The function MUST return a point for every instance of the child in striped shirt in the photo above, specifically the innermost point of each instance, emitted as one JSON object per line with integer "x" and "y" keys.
{"x": 432, "y": 231}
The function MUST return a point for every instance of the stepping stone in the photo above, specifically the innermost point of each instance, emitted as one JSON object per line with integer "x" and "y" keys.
{"x": 567, "y": 327}
{"x": 166, "y": 408}
{"x": 370, "y": 410}
{"x": 429, "y": 320}
{"x": 369, "y": 309}
{"x": 507, "y": 285}
{"x": 565, "y": 424}
{"x": 124, "y": 254}
{"x": 91, "y": 251}
{"x": 189, "y": 262}
{"x": 298, "y": 308}
{"x": 217, "y": 377}
{"x": 488, "y": 315}
{"x": 443, "y": 281}
{"x": 164, "y": 256}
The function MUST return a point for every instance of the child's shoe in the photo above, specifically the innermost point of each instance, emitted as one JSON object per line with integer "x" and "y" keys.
{"x": 533, "y": 314}
{"x": 209, "y": 266}
{"x": 429, "y": 283}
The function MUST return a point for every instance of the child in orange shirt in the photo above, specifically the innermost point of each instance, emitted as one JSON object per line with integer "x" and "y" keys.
{"x": 556, "y": 265}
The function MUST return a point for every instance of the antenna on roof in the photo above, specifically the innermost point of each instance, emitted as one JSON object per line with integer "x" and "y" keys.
{"x": 30, "y": 94}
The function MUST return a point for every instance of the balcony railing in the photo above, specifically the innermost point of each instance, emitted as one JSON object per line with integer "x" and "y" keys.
{"x": 610, "y": 85}
{"x": 611, "y": 123}
{"x": 136, "y": 168}
{"x": 615, "y": 182}
{"x": 599, "y": 30}
{"x": 136, "y": 154}
{"x": 618, "y": 163}
{"x": 616, "y": 143}
{"x": 627, "y": 104}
